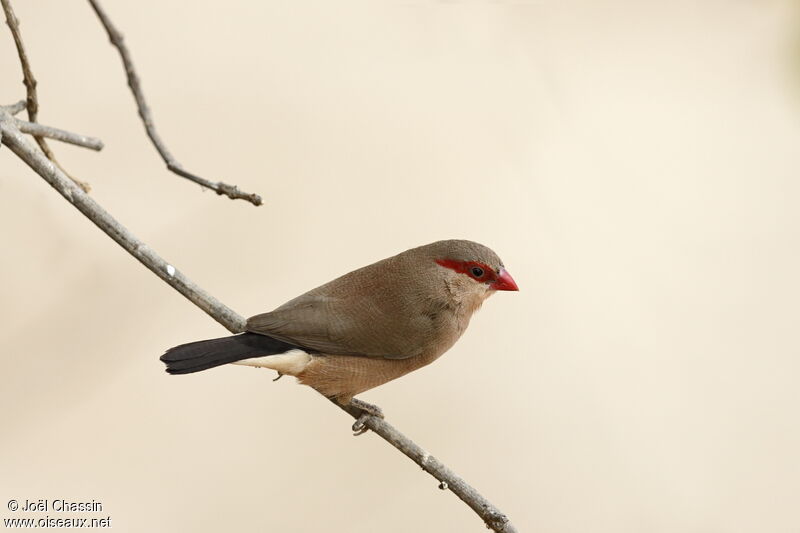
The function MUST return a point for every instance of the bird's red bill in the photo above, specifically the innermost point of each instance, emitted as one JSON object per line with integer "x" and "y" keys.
{"x": 504, "y": 282}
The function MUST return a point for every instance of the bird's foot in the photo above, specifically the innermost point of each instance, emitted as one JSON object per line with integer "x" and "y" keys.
{"x": 367, "y": 410}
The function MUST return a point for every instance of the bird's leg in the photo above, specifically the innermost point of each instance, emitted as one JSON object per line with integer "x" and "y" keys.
{"x": 367, "y": 410}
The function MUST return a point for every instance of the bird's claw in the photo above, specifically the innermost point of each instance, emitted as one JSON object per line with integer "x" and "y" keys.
{"x": 367, "y": 410}
{"x": 359, "y": 426}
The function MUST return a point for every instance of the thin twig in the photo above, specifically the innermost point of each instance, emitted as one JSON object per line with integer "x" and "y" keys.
{"x": 28, "y": 79}
{"x": 36, "y": 129}
{"x": 30, "y": 88}
{"x": 231, "y": 191}
{"x": 13, "y": 138}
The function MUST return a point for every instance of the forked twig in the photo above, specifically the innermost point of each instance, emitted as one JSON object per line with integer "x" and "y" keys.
{"x": 30, "y": 87}
{"x": 231, "y": 191}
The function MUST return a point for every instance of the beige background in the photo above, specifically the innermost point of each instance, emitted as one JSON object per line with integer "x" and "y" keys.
{"x": 635, "y": 165}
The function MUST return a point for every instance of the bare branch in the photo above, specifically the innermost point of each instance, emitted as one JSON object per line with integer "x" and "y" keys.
{"x": 231, "y": 191}
{"x": 36, "y": 129}
{"x": 13, "y": 138}
{"x": 30, "y": 88}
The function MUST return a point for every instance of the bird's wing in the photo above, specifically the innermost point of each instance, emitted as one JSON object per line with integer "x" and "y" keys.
{"x": 342, "y": 325}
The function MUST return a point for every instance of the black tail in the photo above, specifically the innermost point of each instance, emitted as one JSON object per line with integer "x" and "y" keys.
{"x": 201, "y": 355}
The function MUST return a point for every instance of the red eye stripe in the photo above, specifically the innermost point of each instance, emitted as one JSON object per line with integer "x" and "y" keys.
{"x": 465, "y": 267}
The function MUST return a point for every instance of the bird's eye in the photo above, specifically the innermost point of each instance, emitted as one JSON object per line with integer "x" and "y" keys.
{"x": 477, "y": 272}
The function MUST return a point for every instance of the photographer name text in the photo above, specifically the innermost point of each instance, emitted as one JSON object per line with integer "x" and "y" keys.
{"x": 56, "y": 506}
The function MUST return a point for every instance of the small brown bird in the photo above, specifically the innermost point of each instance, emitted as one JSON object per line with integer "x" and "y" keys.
{"x": 365, "y": 328}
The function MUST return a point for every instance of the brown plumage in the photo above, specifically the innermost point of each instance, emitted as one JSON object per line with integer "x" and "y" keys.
{"x": 367, "y": 327}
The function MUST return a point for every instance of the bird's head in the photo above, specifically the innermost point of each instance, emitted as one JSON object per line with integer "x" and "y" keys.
{"x": 471, "y": 271}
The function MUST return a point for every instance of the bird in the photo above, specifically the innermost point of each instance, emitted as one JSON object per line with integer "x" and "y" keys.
{"x": 365, "y": 328}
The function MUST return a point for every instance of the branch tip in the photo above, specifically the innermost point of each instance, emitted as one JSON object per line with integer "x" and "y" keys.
{"x": 16, "y": 108}
{"x": 39, "y": 130}
{"x": 117, "y": 40}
